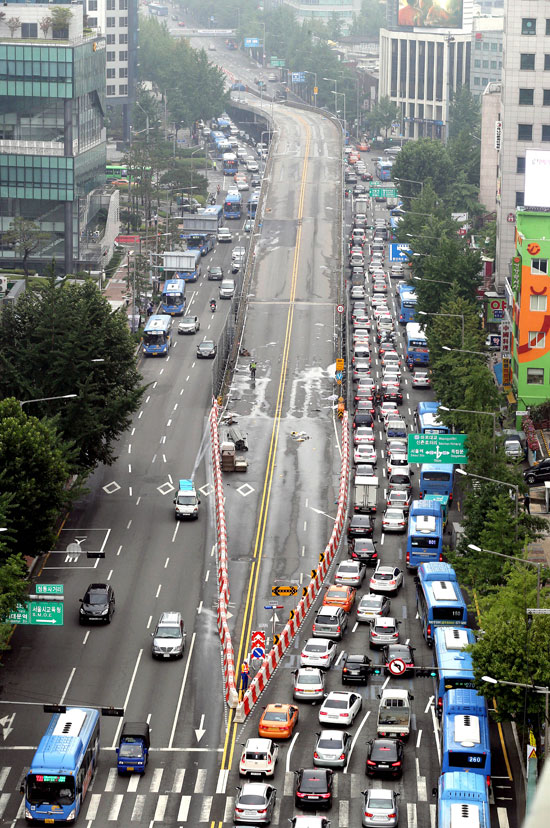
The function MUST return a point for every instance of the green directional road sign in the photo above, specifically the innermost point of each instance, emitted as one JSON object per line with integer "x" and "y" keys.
{"x": 437, "y": 448}
{"x": 382, "y": 192}
{"x": 275, "y": 61}
{"x": 49, "y": 589}
{"x": 38, "y": 613}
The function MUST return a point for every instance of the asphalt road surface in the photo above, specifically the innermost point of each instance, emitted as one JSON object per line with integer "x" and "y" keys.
{"x": 279, "y": 514}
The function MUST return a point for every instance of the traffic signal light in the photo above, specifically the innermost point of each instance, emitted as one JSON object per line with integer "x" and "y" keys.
{"x": 425, "y": 671}
{"x": 376, "y": 669}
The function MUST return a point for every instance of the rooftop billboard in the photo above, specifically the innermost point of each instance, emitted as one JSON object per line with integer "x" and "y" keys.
{"x": 430, "y": 14}
{"x": 537, "y": 178}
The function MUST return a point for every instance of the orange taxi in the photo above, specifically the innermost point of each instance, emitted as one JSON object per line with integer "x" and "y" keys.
{"x": 278, "y": 721}
{"x": 353, "y": 158}
{"x": 363, "y": 147}
{"x": 340, "y": 596}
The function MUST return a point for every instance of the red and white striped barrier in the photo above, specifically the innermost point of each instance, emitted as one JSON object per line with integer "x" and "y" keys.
{"x": 274, "y": 656}
{"x": 230, "y": 690}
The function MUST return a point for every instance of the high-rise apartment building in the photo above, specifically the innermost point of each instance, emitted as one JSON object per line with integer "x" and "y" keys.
{"x": 52, "y": 134}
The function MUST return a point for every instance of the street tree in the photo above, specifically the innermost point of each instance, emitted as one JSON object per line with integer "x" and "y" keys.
{"x": 13, "y": 589}
{"x": 464, "y": 113}
{"x": 369, "y": 21}
{"x": 422, "y": 161}
{"x": 36, "y": 462}
{"x": 26, "y": 237}
{"x": 69, "y": 341}
{"x": 382, "y": 116}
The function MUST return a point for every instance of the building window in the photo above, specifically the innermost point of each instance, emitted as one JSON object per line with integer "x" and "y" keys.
{"x": 123, "y": 89}
{"x": 525, "y": 132}
{"x": 29, "y": 30}
{"x": 110, "y": 5}
{"x": 111, "y": 90}
{"x": 123, "y": 5}
{"x": 123, "y": 72}
{"x": 493, "y": 47}
{"x": 477, "y": 64}
{"x": 520, "y": 197}
{"x": 122, "y": 56}
{"x": 484, "y": 81}
{"x": 539, "y": 267}
{"x": 493, "y": 64}
{"x": 528, "y": 25}
{"x": 111, "y": 73}
{"x": 527, "y": 61}
{"x": 537, "y": 303}
{"x": 111, "y": 39}
{"x": 92, "y": 5}
{"x": 546, "y": 63}
{"x": 545, "y": 133}
{"x": 110, "y": 22}
{"x": 535, "y": 376}
{"x": 537, "y": 339}
{"x": 485, "y": 64}
{"x": 123, "y": 38}
{"x": 520, "y": 164}
{"x": 476, "y": 81}
{"x": 478, "y": 45}
{"x": 123, "y": 22}
{"x": 111, "y": 57}
{"x": 547, "y": 30}
{"x": 546, "y": 97}
{"x": 485, "y": 47}
{"x": 526, "y": 97}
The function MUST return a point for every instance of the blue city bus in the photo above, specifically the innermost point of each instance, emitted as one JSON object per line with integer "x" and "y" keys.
{"x": 439, "y": 601}
{"x": 230, "y": 163}
{"x": 424, "y": 533}
{"x": 203, "y": 242}
{"x": 406, "y": 304}
{"x": 252, "y": 206}
{"x": 222, "y": 146}
{"x": 173, "y": 297}
{"x": 214, "y": 210}
{"x": 437, "y": 478}
{"x": 455, "y": 668}
{"x": 465, "y": 744}
{"x": 157, "y": 335}
{"x": 417, "y": 344}
{"x": 462, "y": 799}
{"x": 216, "y": 135}
{"x": 383, "y": 169}
{"x": 427, "y": 420}
{"x": 443, "y": 501}
{"x": 63, "y": 766}
{"x": 232, "y": 206}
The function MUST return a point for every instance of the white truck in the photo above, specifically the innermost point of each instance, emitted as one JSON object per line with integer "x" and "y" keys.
{"x": 183, "y": 264}
{"x": 186, "y": 501}
{"x": 365, "y": 490}
{"x": 360, "y": 206}
{"x": 394, "y": 714}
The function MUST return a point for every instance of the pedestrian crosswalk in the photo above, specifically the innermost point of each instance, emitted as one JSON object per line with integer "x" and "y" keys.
{"x": 186, "y": 796}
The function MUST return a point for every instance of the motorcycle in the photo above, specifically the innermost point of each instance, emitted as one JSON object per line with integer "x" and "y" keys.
{"x": 212, "y": 199}
{"x": 213, "y": 306}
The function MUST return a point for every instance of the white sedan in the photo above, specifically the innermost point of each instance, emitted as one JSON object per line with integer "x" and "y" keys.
{"x": 350, "y": 573}
{"x": 365, "y": 453}
{"x": 386, "y": 579}
{"x": 340, "y": 708}
{"x": 318, "y": 652}
{"x": 394, "y": 520}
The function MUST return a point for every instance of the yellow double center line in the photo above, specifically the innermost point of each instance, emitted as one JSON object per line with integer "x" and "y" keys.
{"x": 231, "y": 734}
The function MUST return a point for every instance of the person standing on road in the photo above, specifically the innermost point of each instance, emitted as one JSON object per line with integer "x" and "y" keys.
{"x": 527, "y": 504}
{"x": 253, "y": 369}
{"x": 244, "y": 676}
{"x": 215, "y": 164}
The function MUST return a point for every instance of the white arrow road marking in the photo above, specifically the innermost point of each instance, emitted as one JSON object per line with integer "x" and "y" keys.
{"x": 7, "y": 725}
{"x": 200, "y": 731}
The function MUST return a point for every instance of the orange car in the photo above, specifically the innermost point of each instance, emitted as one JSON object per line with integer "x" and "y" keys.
{"x": 362, "y": 147}
{"x": 353, "y": 159}
{"x": 340, "y": 596}
{"x": 278, "y": 721}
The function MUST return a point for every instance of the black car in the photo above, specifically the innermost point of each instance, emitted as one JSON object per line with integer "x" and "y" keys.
{"x": 206, "y": 349}
{"x": 215, "y": 273}
{"x": 402, "y": 652}
{"x": 98, "y": 604}
{"x": 385, "y": 757}
{"x": 256, "y": 181}
{"x": 313, "y": 787}
{"x": 537, "y": 473}
{"x": 392, "y": 395}
{"x": 366, "y": 176}
{"x": 363, "y": 550}
{"x": 360, "y": 526}
{"x": 356, "y": 669}
{"x": 363, "y": 418}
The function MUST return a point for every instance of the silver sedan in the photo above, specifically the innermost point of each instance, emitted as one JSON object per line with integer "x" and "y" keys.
{"x": 394, "y": 520}
{"x": 350, "y": 573}
{"x": 372, "y": 606}
{"x": 332, "y": 749}
{"x": 255, "y": 803}
{"x": 309, "y": 684}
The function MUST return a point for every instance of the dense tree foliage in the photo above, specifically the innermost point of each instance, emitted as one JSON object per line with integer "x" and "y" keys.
{"x": 63, "y": 338}
{"x": 382, "y": 116}
{"x": 370, "y": 19}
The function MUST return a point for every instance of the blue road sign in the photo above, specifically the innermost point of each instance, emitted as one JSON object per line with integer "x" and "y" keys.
{"x": 251, "y": 42}
{"x": 338, "y": 375}
{"x": 258, "y": 652}
{"x": 298, "y": 77}
{"x": 398, "y": 252}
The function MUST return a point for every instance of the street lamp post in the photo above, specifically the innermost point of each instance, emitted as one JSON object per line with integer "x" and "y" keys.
{"x": 423, "y": 278}
{"x": 344, "y": 123}
{"x": 513, "y": 558}
{"x": 464, "y": 351}
{"x": 306, "y": 72}
{"x": 411, "y": 181}
{"x": 471, "y": 411}
{"x": 536, "y": 688}
{"x": 460, "y": 315}
{"x": 146, "y": 119}
{"x": 199, "y": 149}
{"x": 498, "y": 482}
{"x": 48, "y": 399}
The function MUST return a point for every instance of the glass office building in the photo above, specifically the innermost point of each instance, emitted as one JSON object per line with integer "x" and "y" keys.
{"x": 52, "y": 134}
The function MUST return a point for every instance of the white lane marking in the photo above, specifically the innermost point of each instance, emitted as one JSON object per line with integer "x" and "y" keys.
{"x": 355, "y": 626}
{"x": 385, "y": 683}
{"x": 4, "y": 773}
{"x": 166, "y": 562}
{"x": 111, "y": 779}
{"x": 158, "y": 590}
{"x": 86, "y": 637}
{"x": 182, "y": 690}
{"x": 115, "y": 807}
{"x": 175, "y": 407}
{"x": 110, "y": 575}
{"x": 199, "y": 608}
{"x": 129, "y": 524}
{"x": 129, "y": 468}
{"x": 430, "y": 703}
{"x": 222, "y": 780}
{"x": 133, "y": 431}
{"x": 133, "y": 783}
{"x": 147, "y": 398}
{"x": 176, "y": 530}
{"x": 154, "y": 458}
{"x": 289, "y": 752}
{"x": 359, "y": 729}
{"x": 205, "y": 809}
{"x": 207, "y": 575}
{"x": 200, "y": 781}
{"x": 419, "y": 739}
{"x": 139, "y": 805}
{"x": 436, "y": 732}
{"x": 169, "y": 423}
{"x": 343, "y": 813}
{"x": 130, "y": 491}
{"x": 137, "y": 501}
{"x": 289, "y": 784}
{"x": 411, "y": 815}
{"x": 502, "y": 817}
{"x": 155, "y": 383}
{"x": 65, "y": 691}
{"x": 127, "y": 699}
{"x": 164, "y": 460}
{"x": 228, "y": 810}
{"x": 433, "y": 815}
{"x": 140, "y": 415}
{"x": 178, "y": 780}
{"x": 339, "y": 659}
{"x": 183, "y": 811}
{"x": 420, "y": 783}
{"x": 162, "y": 802}
{"x": 119, "y": 550}
{"x": 156, "y": 780}
{"x": 129, "y": 448}
{"x": 170, "y": 479}
{"x": 91, "y": 813}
